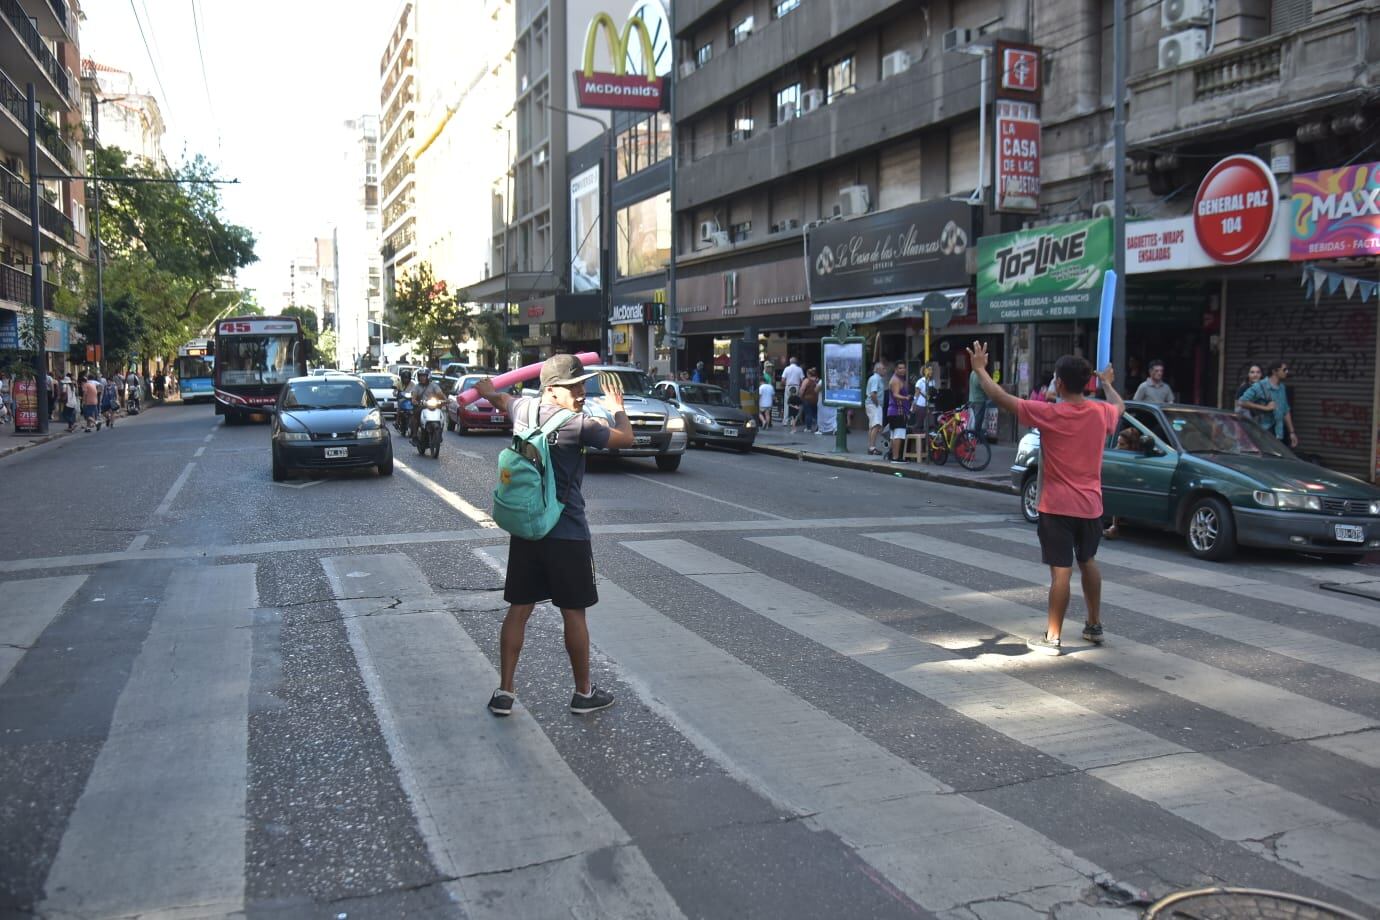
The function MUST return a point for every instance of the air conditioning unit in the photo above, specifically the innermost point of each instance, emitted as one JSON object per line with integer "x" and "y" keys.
{"x": 954, "y": 39}
{"x": 718, "y": 238}
{"x": 853, "y": 199}
{"x": 707, "y": 230}
{"x": 1175, "y": 14}
{"x": 687, "y": 68}
{"x": 1104, "y": 209}
{"x": 1182, "y": 47}
{"x": 810, "y": 100}
{"x": 894, "y": 63}
{"x": 785, "y": 112}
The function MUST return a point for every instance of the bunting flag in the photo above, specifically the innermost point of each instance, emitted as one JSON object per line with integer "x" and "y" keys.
{"x": 1316, "y": 280}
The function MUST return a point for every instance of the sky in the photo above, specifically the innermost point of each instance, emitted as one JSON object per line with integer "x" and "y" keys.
{"x": 281, "y": 77}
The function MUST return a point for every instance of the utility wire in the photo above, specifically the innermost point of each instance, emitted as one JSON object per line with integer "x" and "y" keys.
{"x": 206, "y": 84}
{"x": 167, "y": 101}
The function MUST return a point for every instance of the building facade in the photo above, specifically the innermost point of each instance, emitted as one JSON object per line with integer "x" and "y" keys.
{"x": 123, "y": 115}
{"x": 357, "y": 268}
{"x": 398, "y": 93}
{"x": 39, "y": 44}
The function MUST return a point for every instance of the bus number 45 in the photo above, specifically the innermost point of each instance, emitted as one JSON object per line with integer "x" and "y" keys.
{"x": 234, "y": 327}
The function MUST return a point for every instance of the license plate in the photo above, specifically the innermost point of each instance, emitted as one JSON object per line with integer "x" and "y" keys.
{"x": 641, "y": 440}
{"x": 1349, "y": 533}
{"x": 500, "y": 418}
{"x": 730, "y": 432}
{"x": 333, "y": 453}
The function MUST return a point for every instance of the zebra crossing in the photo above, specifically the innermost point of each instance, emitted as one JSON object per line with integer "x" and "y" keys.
{"x": 712, "y": 642}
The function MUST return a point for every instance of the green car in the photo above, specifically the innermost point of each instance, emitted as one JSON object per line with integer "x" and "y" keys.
{"x": 1222, "y": 481}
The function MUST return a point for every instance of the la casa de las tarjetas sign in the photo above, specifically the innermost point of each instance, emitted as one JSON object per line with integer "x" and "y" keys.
{"x": 619, "y": 89}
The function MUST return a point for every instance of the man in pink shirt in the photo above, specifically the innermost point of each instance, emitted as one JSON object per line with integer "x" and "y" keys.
{"x": 1073, "y": 432}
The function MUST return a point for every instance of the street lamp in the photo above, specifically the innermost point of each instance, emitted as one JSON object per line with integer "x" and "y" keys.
{"x": 606, "y": 260}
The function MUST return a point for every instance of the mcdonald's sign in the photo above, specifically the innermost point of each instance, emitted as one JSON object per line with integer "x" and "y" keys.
{"x": 620, "y": 89}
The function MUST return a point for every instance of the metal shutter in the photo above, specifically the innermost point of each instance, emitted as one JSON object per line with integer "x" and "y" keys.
{"x": 1330, "y": 347}
{"x": 963, "y": 158}
{"x": 1289, "y": 14}
{"x": 900, "y": 175}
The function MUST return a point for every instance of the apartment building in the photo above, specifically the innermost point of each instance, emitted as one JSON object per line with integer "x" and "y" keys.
{"x": 398, "y": 92}
{"x": 121, "y": 114}
{"x": 357, "y": 268}
{"x": 39, "y": 44}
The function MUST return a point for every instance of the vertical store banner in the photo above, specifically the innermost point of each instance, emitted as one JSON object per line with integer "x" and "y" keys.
{"x": 1336, "y": 213}
{"x": 1018, "y": 156}
{"x": 25, "y": 406}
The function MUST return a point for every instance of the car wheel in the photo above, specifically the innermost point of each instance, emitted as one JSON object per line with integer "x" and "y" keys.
{"x": 279, "y": 470}
{"x": 668, "y": 463}
{"x": 386, "y": 467}
{"x": 1030, "y": 498}
{"x": 460, "y": 427}
{"x": 1211, "y": 530}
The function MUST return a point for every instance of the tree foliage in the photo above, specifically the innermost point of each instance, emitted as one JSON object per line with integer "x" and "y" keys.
{"x": 427, "y": 312}
{"x": 168, "y": 250}
{"x": 124, "y": 329}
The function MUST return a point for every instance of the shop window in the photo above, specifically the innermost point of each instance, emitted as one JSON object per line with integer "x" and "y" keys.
{"x": 644, "y": 236}
{"x": 842, "y": 79}
{"x": 703, "y": 53}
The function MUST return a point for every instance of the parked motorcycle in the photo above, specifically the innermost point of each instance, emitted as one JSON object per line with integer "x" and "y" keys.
{"x": 428, "y": 433}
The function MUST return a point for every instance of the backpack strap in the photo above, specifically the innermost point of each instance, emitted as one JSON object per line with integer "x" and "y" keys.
{"x": 556, "y": 422}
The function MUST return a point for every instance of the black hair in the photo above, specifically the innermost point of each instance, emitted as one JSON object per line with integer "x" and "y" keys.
{"x": 1156, "y": 363}
{"x": 1274, "y": 366}
{"x": 1073, "y": 372}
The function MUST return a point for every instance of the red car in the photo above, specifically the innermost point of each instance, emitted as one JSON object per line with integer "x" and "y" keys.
{"x": 478, "y": 414}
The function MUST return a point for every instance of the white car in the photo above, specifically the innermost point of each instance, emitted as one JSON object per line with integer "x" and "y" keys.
{"x": 385, "y": 388}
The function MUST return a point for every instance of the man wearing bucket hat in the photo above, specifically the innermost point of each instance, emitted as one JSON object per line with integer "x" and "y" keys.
{"x": 560, "y": 566}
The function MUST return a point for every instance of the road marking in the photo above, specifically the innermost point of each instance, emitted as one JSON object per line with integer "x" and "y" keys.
{"x": 493, "y": 798}
{"x": 139, "y": 542}
{"x": 208, "y": 438}
{"x": 1301, "y": 645}
{"x": 708, "y": 498}
{"x": 166, "y": 504}
{"x": 220, "y": 551}
{"x": 199, "y": 451}
{"x": 450, "y": 498}
{"x": 940, "y": 849}
{"x": 171, "y": 776}
{"x": 469, "y": 454}
{"x": 1229, "y": 579}
{"x": 1265, "y": 819}
{"x": 30, "y": 606}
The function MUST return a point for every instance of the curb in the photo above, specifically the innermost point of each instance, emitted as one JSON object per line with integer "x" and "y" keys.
{"x": 846, "y": 462}
{"x": 31, "y": 441}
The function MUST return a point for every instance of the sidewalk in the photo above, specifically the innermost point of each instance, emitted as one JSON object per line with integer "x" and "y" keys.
{"x": 817, "y": 448}
{"x": 11, "y": 443}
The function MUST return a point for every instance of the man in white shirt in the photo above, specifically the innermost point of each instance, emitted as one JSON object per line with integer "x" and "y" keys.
{"x": 876, "y": 392}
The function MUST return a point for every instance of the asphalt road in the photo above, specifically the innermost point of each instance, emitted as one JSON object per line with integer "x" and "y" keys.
{"x": 224, "y": 696}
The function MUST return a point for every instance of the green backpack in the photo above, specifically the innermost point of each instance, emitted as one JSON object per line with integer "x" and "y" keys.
{"x": 525, "y": 502}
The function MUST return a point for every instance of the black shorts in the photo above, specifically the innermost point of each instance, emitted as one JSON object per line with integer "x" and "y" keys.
{"x": 561, "y": 571}
{"x": 1064, "y": 539}
{"x": 896, "y": 421}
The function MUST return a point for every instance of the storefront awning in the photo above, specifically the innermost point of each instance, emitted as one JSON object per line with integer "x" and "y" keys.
{"x": 875, "y": 309}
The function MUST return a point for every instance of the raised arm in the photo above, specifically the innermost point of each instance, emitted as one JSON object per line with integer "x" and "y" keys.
{"x": 1107, "y": 375}
{"x": 620, "y": 432}
{"x": 500, "y": 401}
{"x": 977, "y": 355}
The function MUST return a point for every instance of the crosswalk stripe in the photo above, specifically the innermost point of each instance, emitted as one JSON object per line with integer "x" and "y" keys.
{"x": 1218, "y": 577}
{"x": 1298, "y": 644}
{"x": 1253, "y": 701}
{"x": 31, "y": 604}
{"x": 500, "y": 810}
{"x": 172, "y": 773}
{"x": 1227, "y": 802}
{"x": 1362, "y": 747}
{"x": 940, "y": 849}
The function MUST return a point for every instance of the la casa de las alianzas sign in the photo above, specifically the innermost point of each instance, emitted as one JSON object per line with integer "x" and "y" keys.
{"x": 920, "y": 247}
{"x": 619, "y": 89}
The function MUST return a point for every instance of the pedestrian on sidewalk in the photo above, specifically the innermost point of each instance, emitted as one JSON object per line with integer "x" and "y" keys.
{"x": 897, "y": 410}
{"x": 110, "y": 403}
{"x": 766, "y": 395}
{"x": 6, "y": 397}
{"x": 56, "y": 402}
{"x": 1154, "y": 389}
{"x": 90, "y": 404}
{"x": 809, "y": 400}
{"x": 1270, "y": 399}
{"x": 876, "y": 390}
{"x": 977, "y": 401}
{"x": 1072, "y": 434}
{"x": 118, "y": 379}
{"x": 560, "y": 566}
{"x": 71, "y": 400}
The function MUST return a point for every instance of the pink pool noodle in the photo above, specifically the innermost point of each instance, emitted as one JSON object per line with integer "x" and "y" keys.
{"x": 521, "y": 375}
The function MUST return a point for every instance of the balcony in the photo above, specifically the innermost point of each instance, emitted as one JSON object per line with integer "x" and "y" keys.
{"x": 54, "y": 153}
{"x": 938, "y": 89}
{"x": 28, "y": 59}
{"x": 17, "y": 287}
{"x": 774, "y": 45}
{"x": 53, "y": 18}
{"x": 14, "y": 195}
{"x": 1327, "y": 63}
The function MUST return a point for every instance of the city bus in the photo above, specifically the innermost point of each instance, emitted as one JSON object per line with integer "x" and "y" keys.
{"x": 255, "y": 355}
{"x": 195, "y": 370}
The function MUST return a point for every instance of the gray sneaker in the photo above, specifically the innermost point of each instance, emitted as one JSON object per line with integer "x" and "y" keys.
{"x": 501, "y": 703}
{"x": 1092, "y": 632}
{"x": 1044, "y": 645}
{"x": 595, "y": 700}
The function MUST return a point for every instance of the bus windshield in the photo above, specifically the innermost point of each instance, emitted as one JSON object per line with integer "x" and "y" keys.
{"x": 250, "y": 359}
{"x": 190, "y": 368}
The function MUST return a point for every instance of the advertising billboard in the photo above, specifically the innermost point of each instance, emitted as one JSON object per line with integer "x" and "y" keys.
{"x": 585, "y": 234}
{"x": 1046, "y": 273}
{"x": 1336, "y": 213}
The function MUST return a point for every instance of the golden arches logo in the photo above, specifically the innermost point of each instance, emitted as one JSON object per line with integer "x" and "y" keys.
{"x": 618, "y": 44}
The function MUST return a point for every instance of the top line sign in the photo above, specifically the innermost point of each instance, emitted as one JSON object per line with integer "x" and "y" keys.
{"x": 620, "y": 89}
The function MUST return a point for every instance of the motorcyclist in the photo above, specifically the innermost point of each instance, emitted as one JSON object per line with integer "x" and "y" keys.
{"x": 405, "y": 400}
{"x": 422, "y": 389}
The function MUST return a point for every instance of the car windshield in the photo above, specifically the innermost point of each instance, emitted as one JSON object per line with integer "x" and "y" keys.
{"x": 327, "y": 393}
{"x": 378, "y": 381}
{"x": 635, "y": 383}
{"x": 1223, "y": 433}
{"x": 703, "y": 395}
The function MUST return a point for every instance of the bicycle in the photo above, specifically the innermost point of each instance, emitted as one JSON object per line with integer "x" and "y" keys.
{"x": 952, "y": 436}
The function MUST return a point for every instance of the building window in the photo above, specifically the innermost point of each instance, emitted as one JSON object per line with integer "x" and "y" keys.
{"x": 740, "y": 126}
{"x": 645, "y": 143}
{"x": 644, "y": 236}
{"x": 787, "y": 103}
{"x": 703, "y": 53}
{"x": 740, "y": 231}
{"x": 741, "y": 32}
{"x": 842, "y": 78}
{"x": 1289, "y": 14}
{"x": 782, "y": 7}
